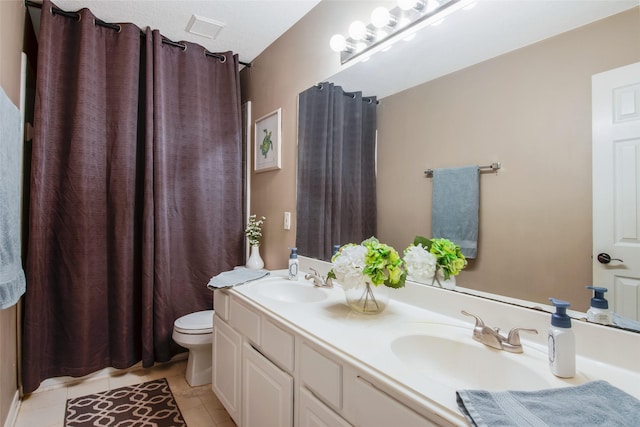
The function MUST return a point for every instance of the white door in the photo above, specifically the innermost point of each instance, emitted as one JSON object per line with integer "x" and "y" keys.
{"x": 616, "y": 187}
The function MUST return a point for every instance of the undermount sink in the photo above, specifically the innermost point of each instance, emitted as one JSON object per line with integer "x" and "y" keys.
{"x": 446, "y": 354}
{"x": 291, "y": 291}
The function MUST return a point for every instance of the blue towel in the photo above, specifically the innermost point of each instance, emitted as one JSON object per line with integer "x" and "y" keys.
{"x": 455, "y": 207}
{"x": 12, "y": 280}
{"x": 596, "y": 403}
{"x": 235, "y": 277}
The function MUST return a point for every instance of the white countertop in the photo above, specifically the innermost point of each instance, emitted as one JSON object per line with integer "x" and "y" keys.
{"x": 366, "y": 339}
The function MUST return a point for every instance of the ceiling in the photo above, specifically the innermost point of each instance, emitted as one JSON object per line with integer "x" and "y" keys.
{"x": 251, "y": 25}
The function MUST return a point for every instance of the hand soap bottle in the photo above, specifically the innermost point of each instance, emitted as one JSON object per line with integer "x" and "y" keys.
{"x": 599, "y": 310}
{"x": 562, "y": 346}
{"x": 293, "y": 264}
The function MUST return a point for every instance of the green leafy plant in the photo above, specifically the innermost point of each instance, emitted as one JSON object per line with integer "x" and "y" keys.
{"x": 254, "y": 230}
{"x": 369, "y": 262}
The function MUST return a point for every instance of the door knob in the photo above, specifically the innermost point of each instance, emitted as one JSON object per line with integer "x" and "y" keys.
{"x": 604, "y": 258}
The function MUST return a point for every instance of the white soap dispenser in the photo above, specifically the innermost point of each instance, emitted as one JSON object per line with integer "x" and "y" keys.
{"x": 562, "y": 345}
{"x": 599, "y": 310}
{"x": 293, "y": 264}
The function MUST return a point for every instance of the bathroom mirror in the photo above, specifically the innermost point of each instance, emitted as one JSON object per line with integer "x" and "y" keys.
{"x": 526, "y": 104}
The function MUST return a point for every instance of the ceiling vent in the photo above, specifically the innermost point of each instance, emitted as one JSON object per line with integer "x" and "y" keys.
{"x": 204, "y": 27}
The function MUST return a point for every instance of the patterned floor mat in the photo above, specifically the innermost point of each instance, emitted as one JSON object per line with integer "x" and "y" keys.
{"x": 150, "y": 404}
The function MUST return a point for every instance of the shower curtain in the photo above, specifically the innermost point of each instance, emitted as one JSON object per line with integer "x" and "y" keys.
{"x": 135, "y": 194}
{"x": 336, "y": 195}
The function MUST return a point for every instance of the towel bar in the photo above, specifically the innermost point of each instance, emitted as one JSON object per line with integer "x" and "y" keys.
{"x": 493, "y": 166}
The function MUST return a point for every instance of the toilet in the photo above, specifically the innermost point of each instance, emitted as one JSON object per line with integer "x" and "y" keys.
{"x": 195, "y": 332}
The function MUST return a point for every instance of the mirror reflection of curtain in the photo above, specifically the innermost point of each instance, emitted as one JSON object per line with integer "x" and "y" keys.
{"x": 135, "y": 195}
{"x": 336, "y": 184}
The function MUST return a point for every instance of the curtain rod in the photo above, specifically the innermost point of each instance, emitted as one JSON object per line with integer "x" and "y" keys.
{"x": 492, "y": 167}
{"x": 116, "y": 27}
{"x": 351, "y": 94}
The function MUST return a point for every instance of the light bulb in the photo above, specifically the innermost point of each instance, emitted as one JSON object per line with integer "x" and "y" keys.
{"x": 338, "y": 43}
{"x": 380, "y": 17}
{"x": 357, "y": 30}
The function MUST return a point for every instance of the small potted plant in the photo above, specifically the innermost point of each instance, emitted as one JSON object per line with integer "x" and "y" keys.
{"x": 254, "y": 234}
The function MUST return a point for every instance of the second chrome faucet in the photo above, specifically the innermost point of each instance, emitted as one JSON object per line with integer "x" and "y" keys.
{"x": 491, "y": 336}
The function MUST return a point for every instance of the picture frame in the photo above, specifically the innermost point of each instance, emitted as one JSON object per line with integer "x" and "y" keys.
{"x": 267, "y": 142}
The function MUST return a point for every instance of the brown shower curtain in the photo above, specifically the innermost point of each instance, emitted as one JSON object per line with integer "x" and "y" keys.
{"x": 135, "y": 194}
{"x": 194, "y": 186}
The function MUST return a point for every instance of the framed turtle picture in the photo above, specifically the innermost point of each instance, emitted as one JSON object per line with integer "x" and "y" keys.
{"x": 267, "y": 153}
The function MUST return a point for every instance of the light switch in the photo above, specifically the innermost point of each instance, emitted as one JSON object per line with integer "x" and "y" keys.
{"x": 287, "y": 220}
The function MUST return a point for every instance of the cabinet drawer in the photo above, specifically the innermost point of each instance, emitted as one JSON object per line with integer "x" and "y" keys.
{"x": 278, "y": 345}
{"x": 322, "y": 376}
{"x": 373, "y": 407}
{"x": 314, "y": 413}
{"x": 221, "y": 303}
{"x": 246, "y": 321}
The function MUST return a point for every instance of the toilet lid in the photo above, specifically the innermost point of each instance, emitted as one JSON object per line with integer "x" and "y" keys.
{"x": 200, "y": 322}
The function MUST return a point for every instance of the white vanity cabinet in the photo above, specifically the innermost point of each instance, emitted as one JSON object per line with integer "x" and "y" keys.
{"x": 251, "y": 360}
{"x": 266, "y": 373}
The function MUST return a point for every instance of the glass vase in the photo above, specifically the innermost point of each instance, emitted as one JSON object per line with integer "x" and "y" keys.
{"x": 439, "y": 280}
{"x": 367, "y": 298}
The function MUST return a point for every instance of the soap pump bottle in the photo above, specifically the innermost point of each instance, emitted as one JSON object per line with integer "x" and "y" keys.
{"x": 562, "y": 345}
{"x": 293, "y": 264}
{"x": 599, "y": 310}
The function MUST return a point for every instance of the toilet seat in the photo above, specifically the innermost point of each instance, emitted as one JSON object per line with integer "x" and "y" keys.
{"x": 200, "y": 322}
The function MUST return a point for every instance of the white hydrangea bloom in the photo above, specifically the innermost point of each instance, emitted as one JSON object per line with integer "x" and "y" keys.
{"x": 421, "y": 264}
{"x": 349, "y": 265}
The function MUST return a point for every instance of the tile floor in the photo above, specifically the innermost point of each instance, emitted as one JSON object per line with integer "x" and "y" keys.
{"x": 199, "y": 405}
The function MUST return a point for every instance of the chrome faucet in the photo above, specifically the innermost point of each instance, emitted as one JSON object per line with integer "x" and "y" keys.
{"x": 491, "y": 336}
{"x": 318, "y": 280}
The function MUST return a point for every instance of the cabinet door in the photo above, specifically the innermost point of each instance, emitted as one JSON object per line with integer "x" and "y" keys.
{"x": 314, "y": 413}
{"x": 227, "y": 360}
{"x": 267, "y": 392}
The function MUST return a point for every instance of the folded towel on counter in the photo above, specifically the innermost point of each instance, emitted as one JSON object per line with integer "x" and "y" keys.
{"x": 596, "y": 403}
{"x": 12, "y": 280}
{"x": 235, "y": 277}
{"x": 455, "y": 207}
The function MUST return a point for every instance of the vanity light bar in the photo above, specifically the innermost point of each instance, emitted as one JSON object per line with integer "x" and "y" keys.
{"x": 493, "y": 167}
{"x": 401, "y": 22}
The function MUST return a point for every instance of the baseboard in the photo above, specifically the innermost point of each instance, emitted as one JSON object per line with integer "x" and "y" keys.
{"x": 13, "y": 410}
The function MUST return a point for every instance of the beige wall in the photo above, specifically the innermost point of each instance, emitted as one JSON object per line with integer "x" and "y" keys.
{"x": 529, "y": 109}
{"x": 11, "y": 36}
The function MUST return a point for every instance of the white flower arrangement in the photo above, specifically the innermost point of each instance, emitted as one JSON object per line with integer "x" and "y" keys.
{"x": 421, "y": 264}
{"x": 433, "y": 259}
{"x": 369, "y": 262}
{"x": 349, "y": 266}
{"x": 254, "y": 230}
